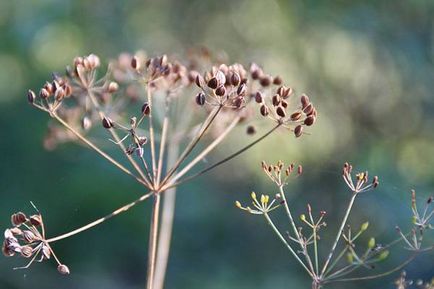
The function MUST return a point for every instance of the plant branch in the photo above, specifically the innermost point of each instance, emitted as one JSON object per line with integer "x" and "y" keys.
{"x": 153, "y": 234}
{"x": 101, "y": 220}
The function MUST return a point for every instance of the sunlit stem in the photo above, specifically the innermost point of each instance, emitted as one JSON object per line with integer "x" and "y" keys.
{"x": 339, "y": 234}
{"x": 335, "y": 262}
{"x": 117, "y": 140}
{"x": 370, "y": 277}
{"x": 228, "y": 158}
{"x": 270, "y": 222}
{"x": 153, "y": 235}
{"x": 151, "y": 134}
{"x": 98, "y": 150}
{"x": 166, "y": 227}
{"x": 293, "y": 225}
{"x": 207, "y": 150}
{"x": 101, "y": 220}
{"x": 193, "y": 143}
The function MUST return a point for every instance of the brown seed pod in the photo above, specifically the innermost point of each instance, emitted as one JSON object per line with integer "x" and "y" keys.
{"x": 28, "y": 236}
{"x": 304, "y": 100}
{"x": 296, "y": 116}
{"x": 280, "y": 111}
{"x": 31, "y": 96}
{"x": 44, "y": 94}
{"x": 258, "y": 97}
{"x": 26, "y": 251}
{"x": 308, "y": 109}
{"x": 264, "y": 110}
{"x": 277, "y": 80}
{"x": 235, "y": 79}
{"x": 255, "y": 71}
{"x": 265, "y": 80}
{"x": 200, "y": 98}
{"x": 200, "y": 82}
{"x": 36, "y": 220}
{"x": 310, "y": 120}
{"x": 146, "y": 109}
{"x": 63, "y": 269}
{"x": 18, "y": 218}
{"x": 135, "y": 64}
{"x": 284, "y": 103}
{"x": 238, "y": 102}
{"x": 107, "y": 123}
{"x": 220, "y": 91}
{"x": 298, "y": 131}
{"x": 221, "y": 78}
{"x": 241, "y": 89}
{"x": 276, "y": 100}
{"x": 213, "y": 83}
{"x": 251, "y": 130}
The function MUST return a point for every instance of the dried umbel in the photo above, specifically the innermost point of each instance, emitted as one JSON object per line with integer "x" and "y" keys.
{"x": 303, "y": 241}
{"x": 26, "y": 238}
{"x": 156, "y": 110}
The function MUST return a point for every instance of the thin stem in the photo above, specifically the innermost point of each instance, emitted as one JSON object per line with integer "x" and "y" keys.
{"x": 172, "y": 184}
{"x": 193, "y": 143}
{"x": 370, "y": 277}
{"x": 294, "y": 227}
{"x": 270, "y": 222}
{"x": 315, "y": 247}
{"x": 153, "y": 234}
{"x": 167, "y": 216}
{"x": 207, "y": 150}
{"x": 117, "y": 140}
{"x": 338, "y": 236}
{"x": 335, "y": 262}
{"x": 98, "y": 150}
{"x": 162, "y": 147}
{"x": 101, "y": 220}
{"x": 151, "y": 134}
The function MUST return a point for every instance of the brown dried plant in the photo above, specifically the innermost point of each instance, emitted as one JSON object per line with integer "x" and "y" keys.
{"x": 303, "y": 241}
{"x": 156, "y": 110}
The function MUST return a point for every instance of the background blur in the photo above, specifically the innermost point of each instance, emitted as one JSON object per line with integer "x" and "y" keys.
{"x": 367, "y": 65}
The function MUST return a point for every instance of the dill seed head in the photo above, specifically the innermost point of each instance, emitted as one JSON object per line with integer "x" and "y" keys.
{"x": 18, "y": 218}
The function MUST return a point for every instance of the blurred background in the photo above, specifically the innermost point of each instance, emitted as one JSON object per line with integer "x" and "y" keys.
{"x": 367, "y": 66}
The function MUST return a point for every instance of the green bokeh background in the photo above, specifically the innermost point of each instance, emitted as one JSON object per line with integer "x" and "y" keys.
{"x": 367, "y": 65}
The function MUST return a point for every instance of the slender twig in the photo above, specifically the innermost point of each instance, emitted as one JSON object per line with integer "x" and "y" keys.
{"x": 153, "y": 234}
{"x": 103, "y": 219}
{"x": 162, "y": 147}
{"x": 166, "y": 227}
{"x": 169, "y": 185}
{"x": 117, "y": 140}
{"x": 397, "y": 268}
{"x": 98, "y": 150}
{"x": 339, "y": 234}
{"x": 207, "y": 150}
{"x": 151, "y": 134}
{"x": 270, "y": 222}
{"x": 206, "y": 124}
{"x": 294, "y": 227}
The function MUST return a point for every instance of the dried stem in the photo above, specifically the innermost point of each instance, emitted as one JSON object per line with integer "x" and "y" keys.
{"x": 101, "y": 220}
{"x": 270, "y": 222}
{"x": 117, "y": 139}
{"x": 174, "y": 184}
{"x": 98, "y": 150}
{"x": 151, "y": 134}
{"x": 206, "y": 124}
{"x": 166, "y": 227}
{"x": 339, "y": 234}
{"x": 207, "y": 150}
{"x": 153, "y": 234}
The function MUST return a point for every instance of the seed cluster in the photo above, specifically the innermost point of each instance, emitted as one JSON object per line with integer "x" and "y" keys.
{"x": 26, "y": 237}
